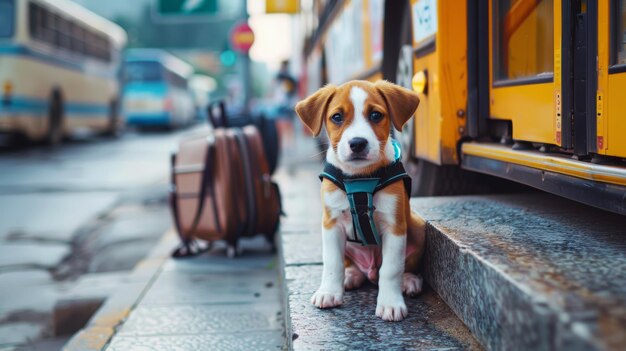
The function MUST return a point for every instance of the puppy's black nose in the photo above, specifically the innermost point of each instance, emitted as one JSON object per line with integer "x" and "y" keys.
{"x": 357, "y": 144}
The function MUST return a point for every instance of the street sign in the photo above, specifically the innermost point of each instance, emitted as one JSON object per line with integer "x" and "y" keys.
{"x": 241, "y": 37}
{"x": 186, "y": 7}
{"x": 281, "y": 6}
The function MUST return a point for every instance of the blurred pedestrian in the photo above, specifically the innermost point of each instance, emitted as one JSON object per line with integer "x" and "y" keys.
{"x": 284, "y": 96}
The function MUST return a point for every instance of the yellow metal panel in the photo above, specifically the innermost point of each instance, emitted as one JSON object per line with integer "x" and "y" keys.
{"x": 610, "y": 102}
{"x": 438, "y": 127}
{"x": 615, "y": 113}
{"x": 553, "y": 163}
{"x": 281, "y": 6}
{"x": 530, "y": 107}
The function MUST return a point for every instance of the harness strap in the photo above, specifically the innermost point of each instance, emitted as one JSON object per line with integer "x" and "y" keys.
{"x": 360, "y": 194}
{"x": 360, "y": 191}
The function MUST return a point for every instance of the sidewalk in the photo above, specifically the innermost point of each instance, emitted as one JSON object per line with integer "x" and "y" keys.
{"x": 206, "y": 302}
{"x": 209, "y": 302}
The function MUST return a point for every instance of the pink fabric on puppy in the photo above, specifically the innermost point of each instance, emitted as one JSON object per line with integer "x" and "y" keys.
{"x": 369, "y": 258}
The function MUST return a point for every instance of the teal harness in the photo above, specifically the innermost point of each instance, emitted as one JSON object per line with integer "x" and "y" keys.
{"x": 360, "y": 191}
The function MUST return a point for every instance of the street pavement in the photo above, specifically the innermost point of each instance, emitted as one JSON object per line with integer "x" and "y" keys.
{"x": 73, "y": 221}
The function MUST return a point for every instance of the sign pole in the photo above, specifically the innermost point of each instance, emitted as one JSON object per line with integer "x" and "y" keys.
{"x": 246, "y": 69}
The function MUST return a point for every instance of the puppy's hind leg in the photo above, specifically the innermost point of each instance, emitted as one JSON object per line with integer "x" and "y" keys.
{"x": 411, "y": 284}
{"x": 354, "y": 277}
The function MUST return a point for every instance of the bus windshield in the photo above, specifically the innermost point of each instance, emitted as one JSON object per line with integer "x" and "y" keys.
{"x": 7, "y": 14}
{"x": 143, "y": 71}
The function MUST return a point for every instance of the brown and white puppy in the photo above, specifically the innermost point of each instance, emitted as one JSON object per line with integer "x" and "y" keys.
{"x": 358, "y": 116}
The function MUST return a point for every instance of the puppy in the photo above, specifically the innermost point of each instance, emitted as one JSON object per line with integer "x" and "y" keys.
{"x": 358, "y": 116}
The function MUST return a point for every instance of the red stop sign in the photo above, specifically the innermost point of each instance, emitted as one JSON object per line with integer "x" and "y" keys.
{"x": 241, "y": 37}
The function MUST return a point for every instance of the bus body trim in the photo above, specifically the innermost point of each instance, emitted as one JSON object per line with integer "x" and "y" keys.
{"x": 25, "y": 51}
{"x": 17, "y": 104}
{"x": 605, "y": 196}
{"x": 552, "y": 163}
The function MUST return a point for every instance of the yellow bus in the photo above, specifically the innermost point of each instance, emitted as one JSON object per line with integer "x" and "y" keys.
{"x": 59, "y": 69}
{"x": 526, "y": 90}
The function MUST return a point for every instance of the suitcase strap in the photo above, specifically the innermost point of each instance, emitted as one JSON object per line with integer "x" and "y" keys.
{"x": 250, "y": 191}
{"x": 189, "y": 247}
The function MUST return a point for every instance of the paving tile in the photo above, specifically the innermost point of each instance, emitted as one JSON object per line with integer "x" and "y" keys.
{"x": 28, "y": 277}
{"x": 302, "y": 249}
{"x": 54, "y": 217}
{"x": 19, "y": 333}
{"x": 13, "y": 255}
{"x": 226, "y": 342}
{"x": 303, "y": 280}
{"x": 135, "y": 226}
{"x": 202, "y": 319}
{"x": 32, "y": 298}
{"x": 431, "y": 325}
{"x": 216, "y": 261}
{"x": 120, "y": 257}
{"x": 199, "y": 288}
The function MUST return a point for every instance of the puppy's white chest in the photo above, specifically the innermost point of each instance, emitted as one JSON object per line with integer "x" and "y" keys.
{"x": 337, "y": 204}
{"x": 339, "y": 209}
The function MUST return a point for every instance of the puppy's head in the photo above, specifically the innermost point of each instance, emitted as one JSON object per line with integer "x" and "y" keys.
{"x": 358, "y": 116}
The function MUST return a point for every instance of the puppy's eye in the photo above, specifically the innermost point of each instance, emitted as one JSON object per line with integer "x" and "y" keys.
{"x": 337, "y": 118}
{"x": 376, "y": 116}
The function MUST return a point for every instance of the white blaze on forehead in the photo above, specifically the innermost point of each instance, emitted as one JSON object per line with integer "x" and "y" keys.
{"x": 360, "y": 128}
{"x": 358, "y": 96}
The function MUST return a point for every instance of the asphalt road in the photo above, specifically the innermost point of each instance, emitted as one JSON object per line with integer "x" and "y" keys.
{"x": 74, "y": 217}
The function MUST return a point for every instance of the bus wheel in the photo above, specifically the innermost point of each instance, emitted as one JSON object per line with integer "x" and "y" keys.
{"x": 114, "y": 127}
{"x": 55, "y": 121}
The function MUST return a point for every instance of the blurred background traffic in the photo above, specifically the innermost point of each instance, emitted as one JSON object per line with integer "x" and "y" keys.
{"x": 94, "y": 96}
{"x": 70, "y": 66}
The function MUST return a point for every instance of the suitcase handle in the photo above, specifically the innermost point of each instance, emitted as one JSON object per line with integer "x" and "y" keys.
{"x": 222, "y": 120}
{"x": 215, "y": 120}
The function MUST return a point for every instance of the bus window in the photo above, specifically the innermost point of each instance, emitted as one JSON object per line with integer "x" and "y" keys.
{"x": 143, "y": 71}
{"x": 7, "y": 13}
{"x": 618, "y": 44}
{"x": 176, "y": 80}
{"x": 523, "y": 39}
{"x": 77, "y": 39}
{"x": 65, "y": 41}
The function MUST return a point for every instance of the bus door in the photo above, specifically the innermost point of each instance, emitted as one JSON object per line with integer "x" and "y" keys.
{"x": 524, "y": 69}
{"x": 610, "y": 133}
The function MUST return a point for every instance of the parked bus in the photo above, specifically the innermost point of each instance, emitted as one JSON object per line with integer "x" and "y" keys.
{"x": 527, "y": 90}
{"x": 59, "y": 69}
{"x": 156, "y": 89}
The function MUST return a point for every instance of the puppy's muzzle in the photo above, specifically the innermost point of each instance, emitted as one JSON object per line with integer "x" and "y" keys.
{"x": 359, "y": 147}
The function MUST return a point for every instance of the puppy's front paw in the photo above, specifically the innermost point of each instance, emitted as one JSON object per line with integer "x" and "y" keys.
{"x": 411, "y": 284}
{"x": 391, "y": 308}
{"x": 323, "y": 299}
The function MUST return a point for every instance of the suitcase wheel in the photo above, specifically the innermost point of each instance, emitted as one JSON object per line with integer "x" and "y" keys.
{"x": 233, "y": 251}
{"x": 191, "y": 248}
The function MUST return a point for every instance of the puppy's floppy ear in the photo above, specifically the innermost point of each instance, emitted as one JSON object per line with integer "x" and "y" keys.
{"x": 313, "y": 109}
{"x": 401, "y": 102}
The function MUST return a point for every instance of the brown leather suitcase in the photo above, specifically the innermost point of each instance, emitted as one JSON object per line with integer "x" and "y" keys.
{"x": 222, "y": 190}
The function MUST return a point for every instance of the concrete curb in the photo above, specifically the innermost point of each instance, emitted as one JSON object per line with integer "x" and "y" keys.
{"x": 104, "y": 324}
{"x": 284, "y": 291}
{"x": 528, "y": 271}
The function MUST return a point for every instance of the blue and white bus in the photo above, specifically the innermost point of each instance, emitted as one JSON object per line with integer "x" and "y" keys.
{"x": 156, "y": 89}
{"x": 59, "y": 69}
